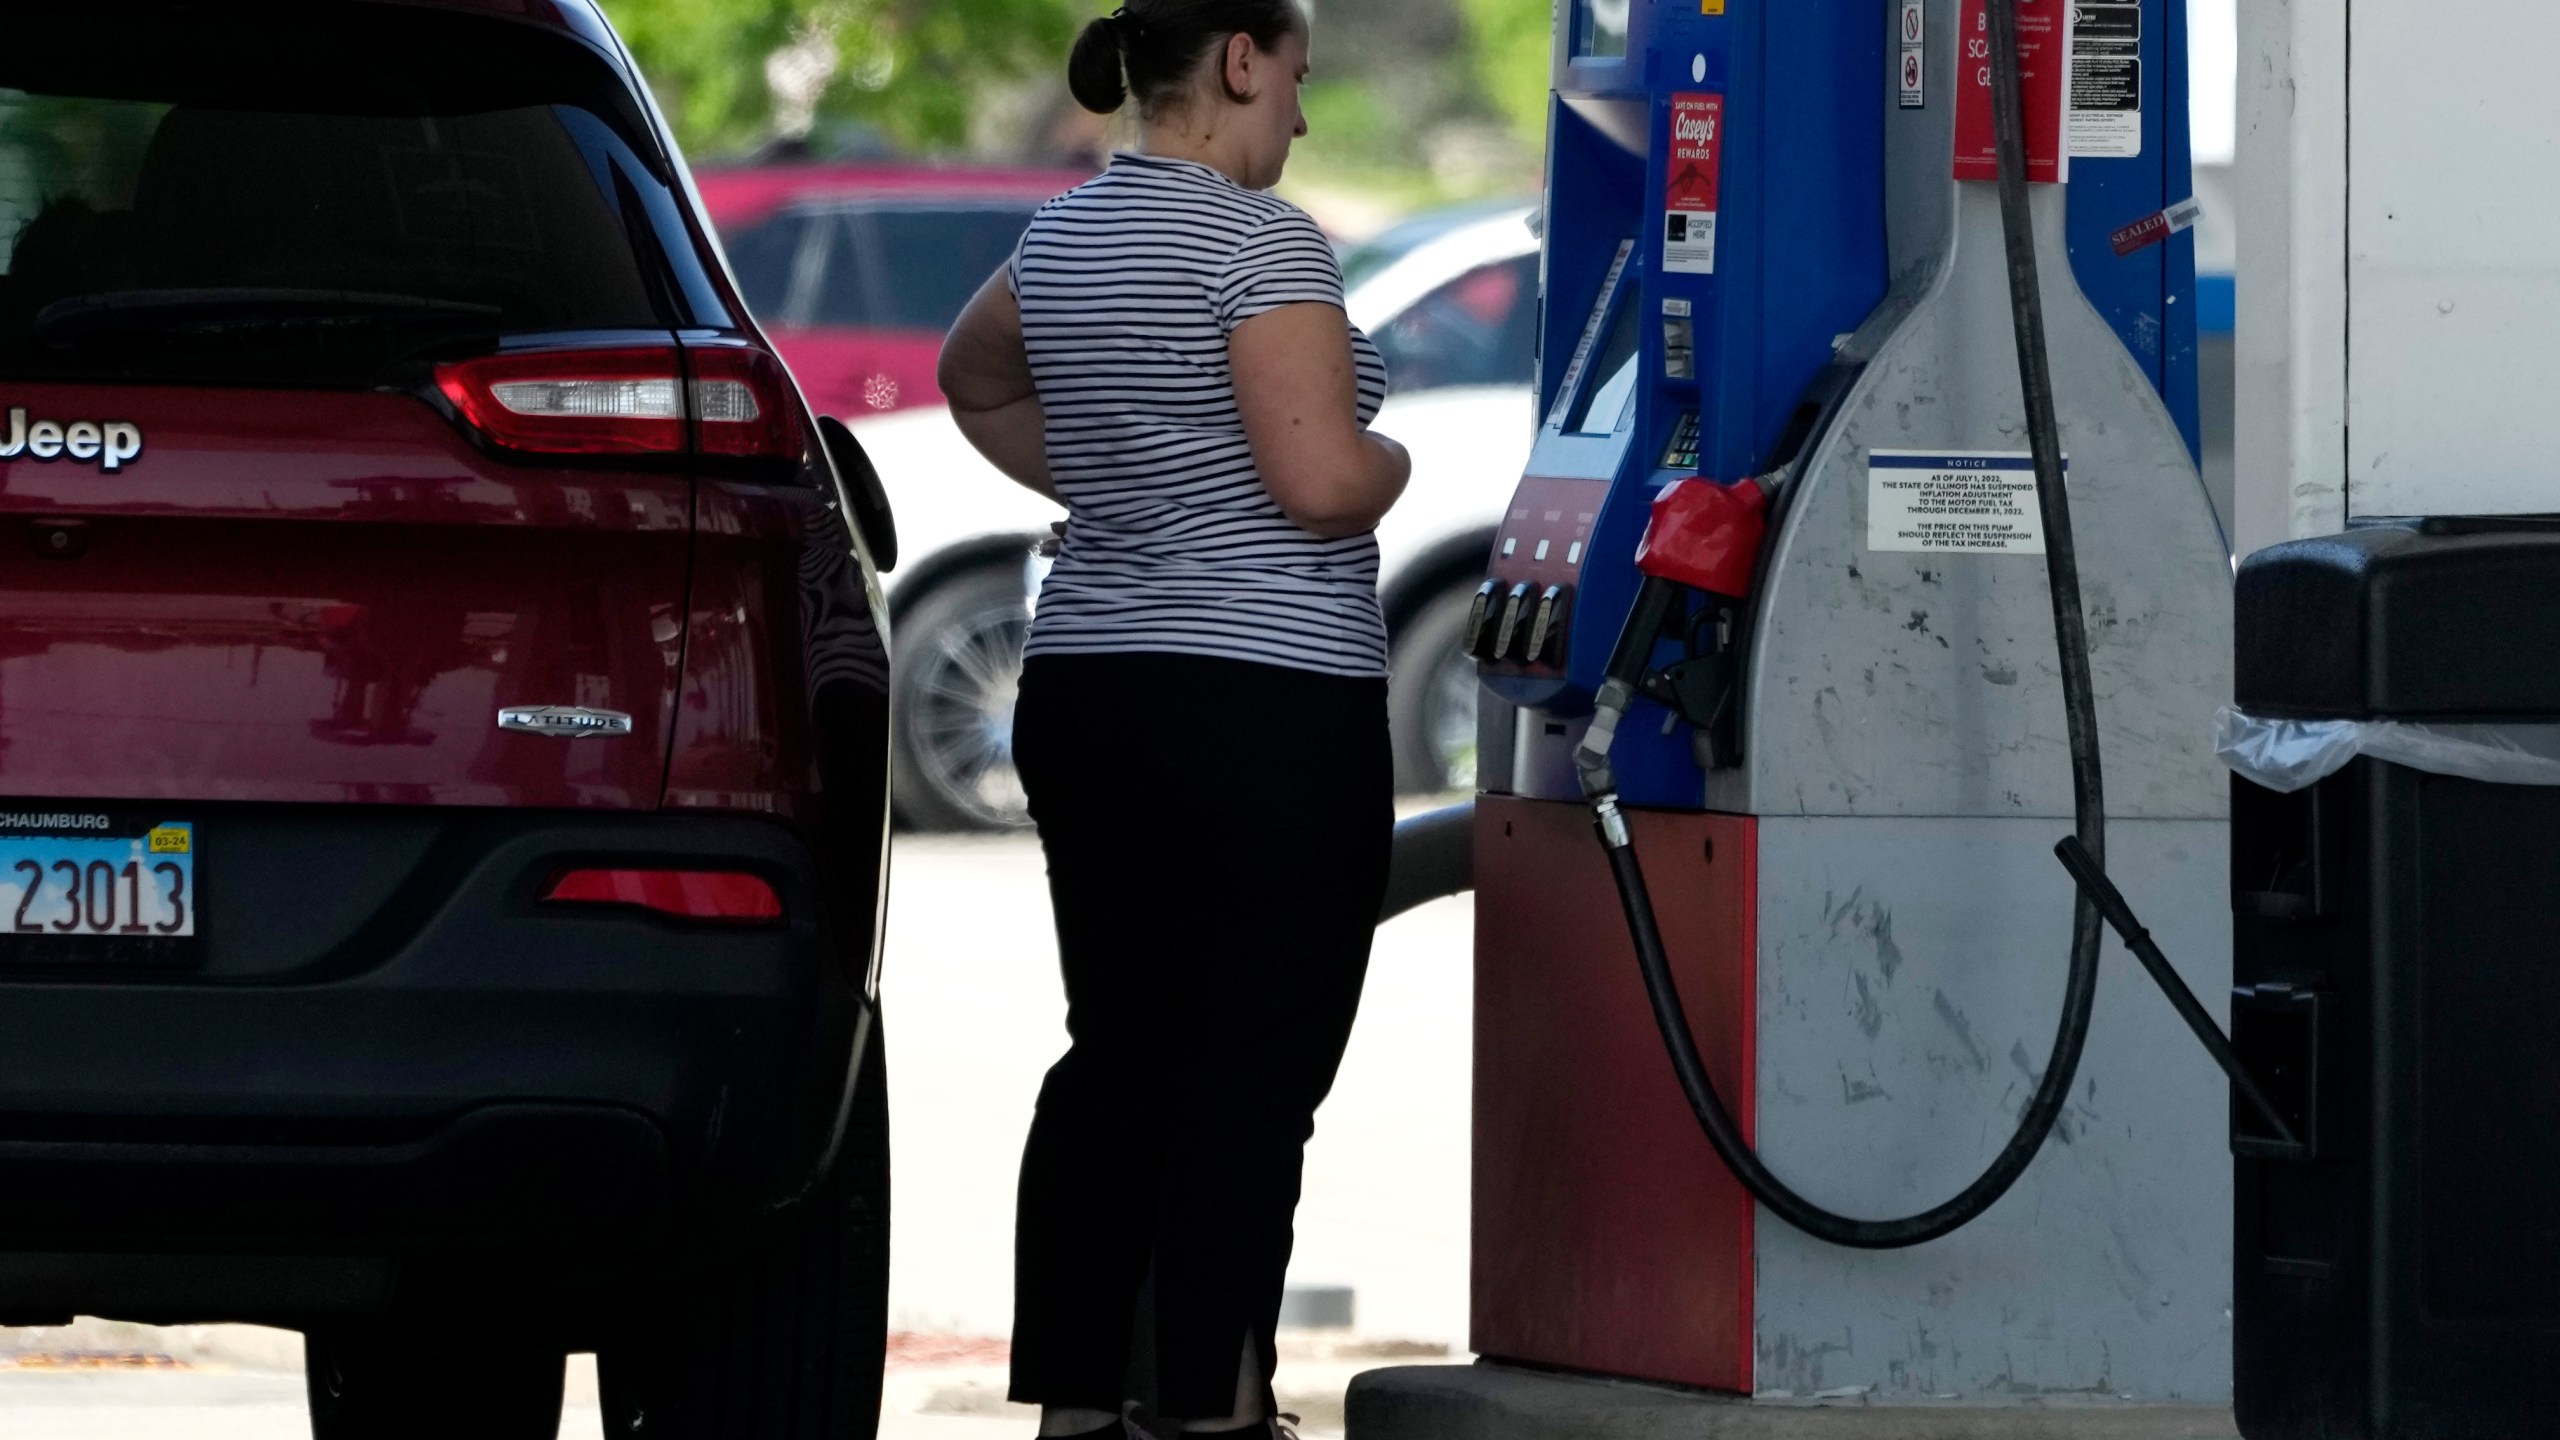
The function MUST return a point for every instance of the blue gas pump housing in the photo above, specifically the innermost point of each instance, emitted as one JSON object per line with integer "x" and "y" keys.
{"x": 1690, "y": 304}
{"x": 2149, "y": 296}
{"x": 1716, "y": 231}
{"x": 1776, "y": 259}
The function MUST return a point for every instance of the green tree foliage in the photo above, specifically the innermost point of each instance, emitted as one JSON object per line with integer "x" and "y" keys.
{"x": 917, "y": 69}
{"x": 705, "y": 58}
{"x": 1508, "y": 40}
{"x": 85, "y": 149}
{"x": 912, "y": 68}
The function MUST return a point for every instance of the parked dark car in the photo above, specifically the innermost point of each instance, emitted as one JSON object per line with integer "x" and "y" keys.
{"x": 443, "y": 732}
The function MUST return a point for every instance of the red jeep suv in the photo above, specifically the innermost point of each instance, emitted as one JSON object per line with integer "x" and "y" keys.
{"x": 443, "y": 732}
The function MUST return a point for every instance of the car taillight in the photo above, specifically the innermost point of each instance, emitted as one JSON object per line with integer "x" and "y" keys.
{"x": 634, "y": 401}
{"x": 574, "y": 402}
{"x": 743, "y": 403}
{"x": 725, "y": 895}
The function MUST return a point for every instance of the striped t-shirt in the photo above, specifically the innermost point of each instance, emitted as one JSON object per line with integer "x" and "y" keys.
{"x": 1129, "y": 286}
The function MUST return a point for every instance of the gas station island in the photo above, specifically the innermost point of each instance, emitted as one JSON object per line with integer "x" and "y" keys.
{"x": 1970, "y": 940}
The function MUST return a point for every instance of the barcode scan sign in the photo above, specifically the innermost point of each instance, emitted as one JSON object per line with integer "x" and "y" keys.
{"x": 1983, "y": 501}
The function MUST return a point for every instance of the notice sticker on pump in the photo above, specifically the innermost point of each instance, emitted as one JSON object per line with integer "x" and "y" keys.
{"x": 1983, "y": 501}
{"x": 2106, "y": 80}
{"x": 1689, "y": 185}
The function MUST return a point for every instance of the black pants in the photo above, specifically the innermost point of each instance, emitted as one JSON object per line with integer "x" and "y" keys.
{"x": 1217, "y": 835}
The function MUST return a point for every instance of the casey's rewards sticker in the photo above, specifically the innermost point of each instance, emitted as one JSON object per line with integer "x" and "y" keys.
{"x": 1689, "y": 186}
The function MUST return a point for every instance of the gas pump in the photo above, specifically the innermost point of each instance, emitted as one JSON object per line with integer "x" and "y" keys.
{"x": 1786, "y": 596}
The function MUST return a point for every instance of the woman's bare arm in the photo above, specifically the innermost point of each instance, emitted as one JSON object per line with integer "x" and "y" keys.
{"x": 1299, "y": 394}
{"x": 986, "y": 377}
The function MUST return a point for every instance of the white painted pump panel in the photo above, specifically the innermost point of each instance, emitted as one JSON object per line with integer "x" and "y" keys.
{"x": 2453, "y": 258}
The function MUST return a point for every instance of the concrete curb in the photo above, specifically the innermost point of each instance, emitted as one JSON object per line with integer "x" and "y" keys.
{"x": 1493, "y": 1402}
{"x": 219, "y": 1347}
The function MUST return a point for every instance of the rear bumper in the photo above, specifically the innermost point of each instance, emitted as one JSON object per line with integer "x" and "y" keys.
{"x": 583, "y": 1177}
{"x": 449, "y": 1068}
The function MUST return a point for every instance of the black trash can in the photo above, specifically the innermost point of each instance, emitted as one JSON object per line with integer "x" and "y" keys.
{"x": 2397, "y": 984}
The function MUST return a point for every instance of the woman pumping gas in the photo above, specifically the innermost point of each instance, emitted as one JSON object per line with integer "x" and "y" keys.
{"x": 1202, "y": 729}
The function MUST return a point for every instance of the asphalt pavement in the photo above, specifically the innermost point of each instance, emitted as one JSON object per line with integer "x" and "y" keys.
{"x": 974, "y": 1019}
{"x": 200, "y": 1403}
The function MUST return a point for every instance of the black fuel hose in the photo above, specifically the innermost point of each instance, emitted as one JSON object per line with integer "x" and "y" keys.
{"x": 2071, "y": 643}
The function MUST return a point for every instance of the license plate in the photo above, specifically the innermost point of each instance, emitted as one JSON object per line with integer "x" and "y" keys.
{"x": 94, "y": 888}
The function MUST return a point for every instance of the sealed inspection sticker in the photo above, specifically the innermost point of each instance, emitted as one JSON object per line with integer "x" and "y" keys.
{"x": 2157, "y": 226}
{"x": 1982, "y": 500}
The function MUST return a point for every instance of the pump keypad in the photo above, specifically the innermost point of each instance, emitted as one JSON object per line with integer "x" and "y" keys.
{"x": 1682, "y": 452}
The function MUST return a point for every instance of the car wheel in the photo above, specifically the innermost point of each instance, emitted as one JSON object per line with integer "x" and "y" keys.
{"x": 1431, "y": 698}
{"x": 951, "y": 691}
{"x": 785, "y": 1338}
{"x": 416, "y": 1380}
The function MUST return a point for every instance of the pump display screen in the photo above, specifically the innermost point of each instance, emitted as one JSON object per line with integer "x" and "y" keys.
{"x": 1600, "y": 28}
{"x": 1609, "y": 380}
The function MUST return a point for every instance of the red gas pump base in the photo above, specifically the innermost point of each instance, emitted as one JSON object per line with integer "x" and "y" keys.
{"x": 1607, "y": 1237}
{"x": 1488, "y": 1401}
{"x": 1608, "y": 1240}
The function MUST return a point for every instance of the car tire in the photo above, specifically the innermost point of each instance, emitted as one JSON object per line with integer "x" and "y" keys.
{"x": 785, "y": 1338}
{"x": 414, "y": 1379}
{"x": 1431, "y": 698}
{"x": 952, "y": 684}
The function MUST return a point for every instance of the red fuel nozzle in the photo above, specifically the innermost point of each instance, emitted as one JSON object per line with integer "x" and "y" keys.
{"x": 1703, "y": 537}
{"x": 1706, "y": 535}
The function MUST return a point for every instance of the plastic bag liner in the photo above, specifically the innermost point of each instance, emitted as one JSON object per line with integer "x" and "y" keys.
{"x": 2289, "y": 755}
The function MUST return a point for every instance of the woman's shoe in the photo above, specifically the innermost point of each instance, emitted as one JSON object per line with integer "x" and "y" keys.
{"x": 1283, "y": 1426}
{"x": 1137, "y": 1422}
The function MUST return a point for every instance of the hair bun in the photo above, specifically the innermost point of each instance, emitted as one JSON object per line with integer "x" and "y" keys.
{"x": 1095, "y": 68}
{"x": 1158, "y": 50}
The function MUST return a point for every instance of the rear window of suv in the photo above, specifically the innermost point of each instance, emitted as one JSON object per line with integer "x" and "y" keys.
{"x": 307, "y": 195}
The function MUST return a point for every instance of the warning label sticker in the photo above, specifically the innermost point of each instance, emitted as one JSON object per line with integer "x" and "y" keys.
{"x": 1915, "y": 30}
{"x": 2106, "y": 80}
{"x": 1980, "y": 501}
{"x": 1690, "y": 183}
{"x": 2043, "y": 87}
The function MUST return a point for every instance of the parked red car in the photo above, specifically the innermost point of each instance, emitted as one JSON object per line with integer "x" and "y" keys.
{"x": 858, "y": 271}
{"x": 442, "y": 732}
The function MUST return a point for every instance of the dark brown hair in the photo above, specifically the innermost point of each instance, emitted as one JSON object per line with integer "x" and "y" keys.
{"x": 1151, "y": 47}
